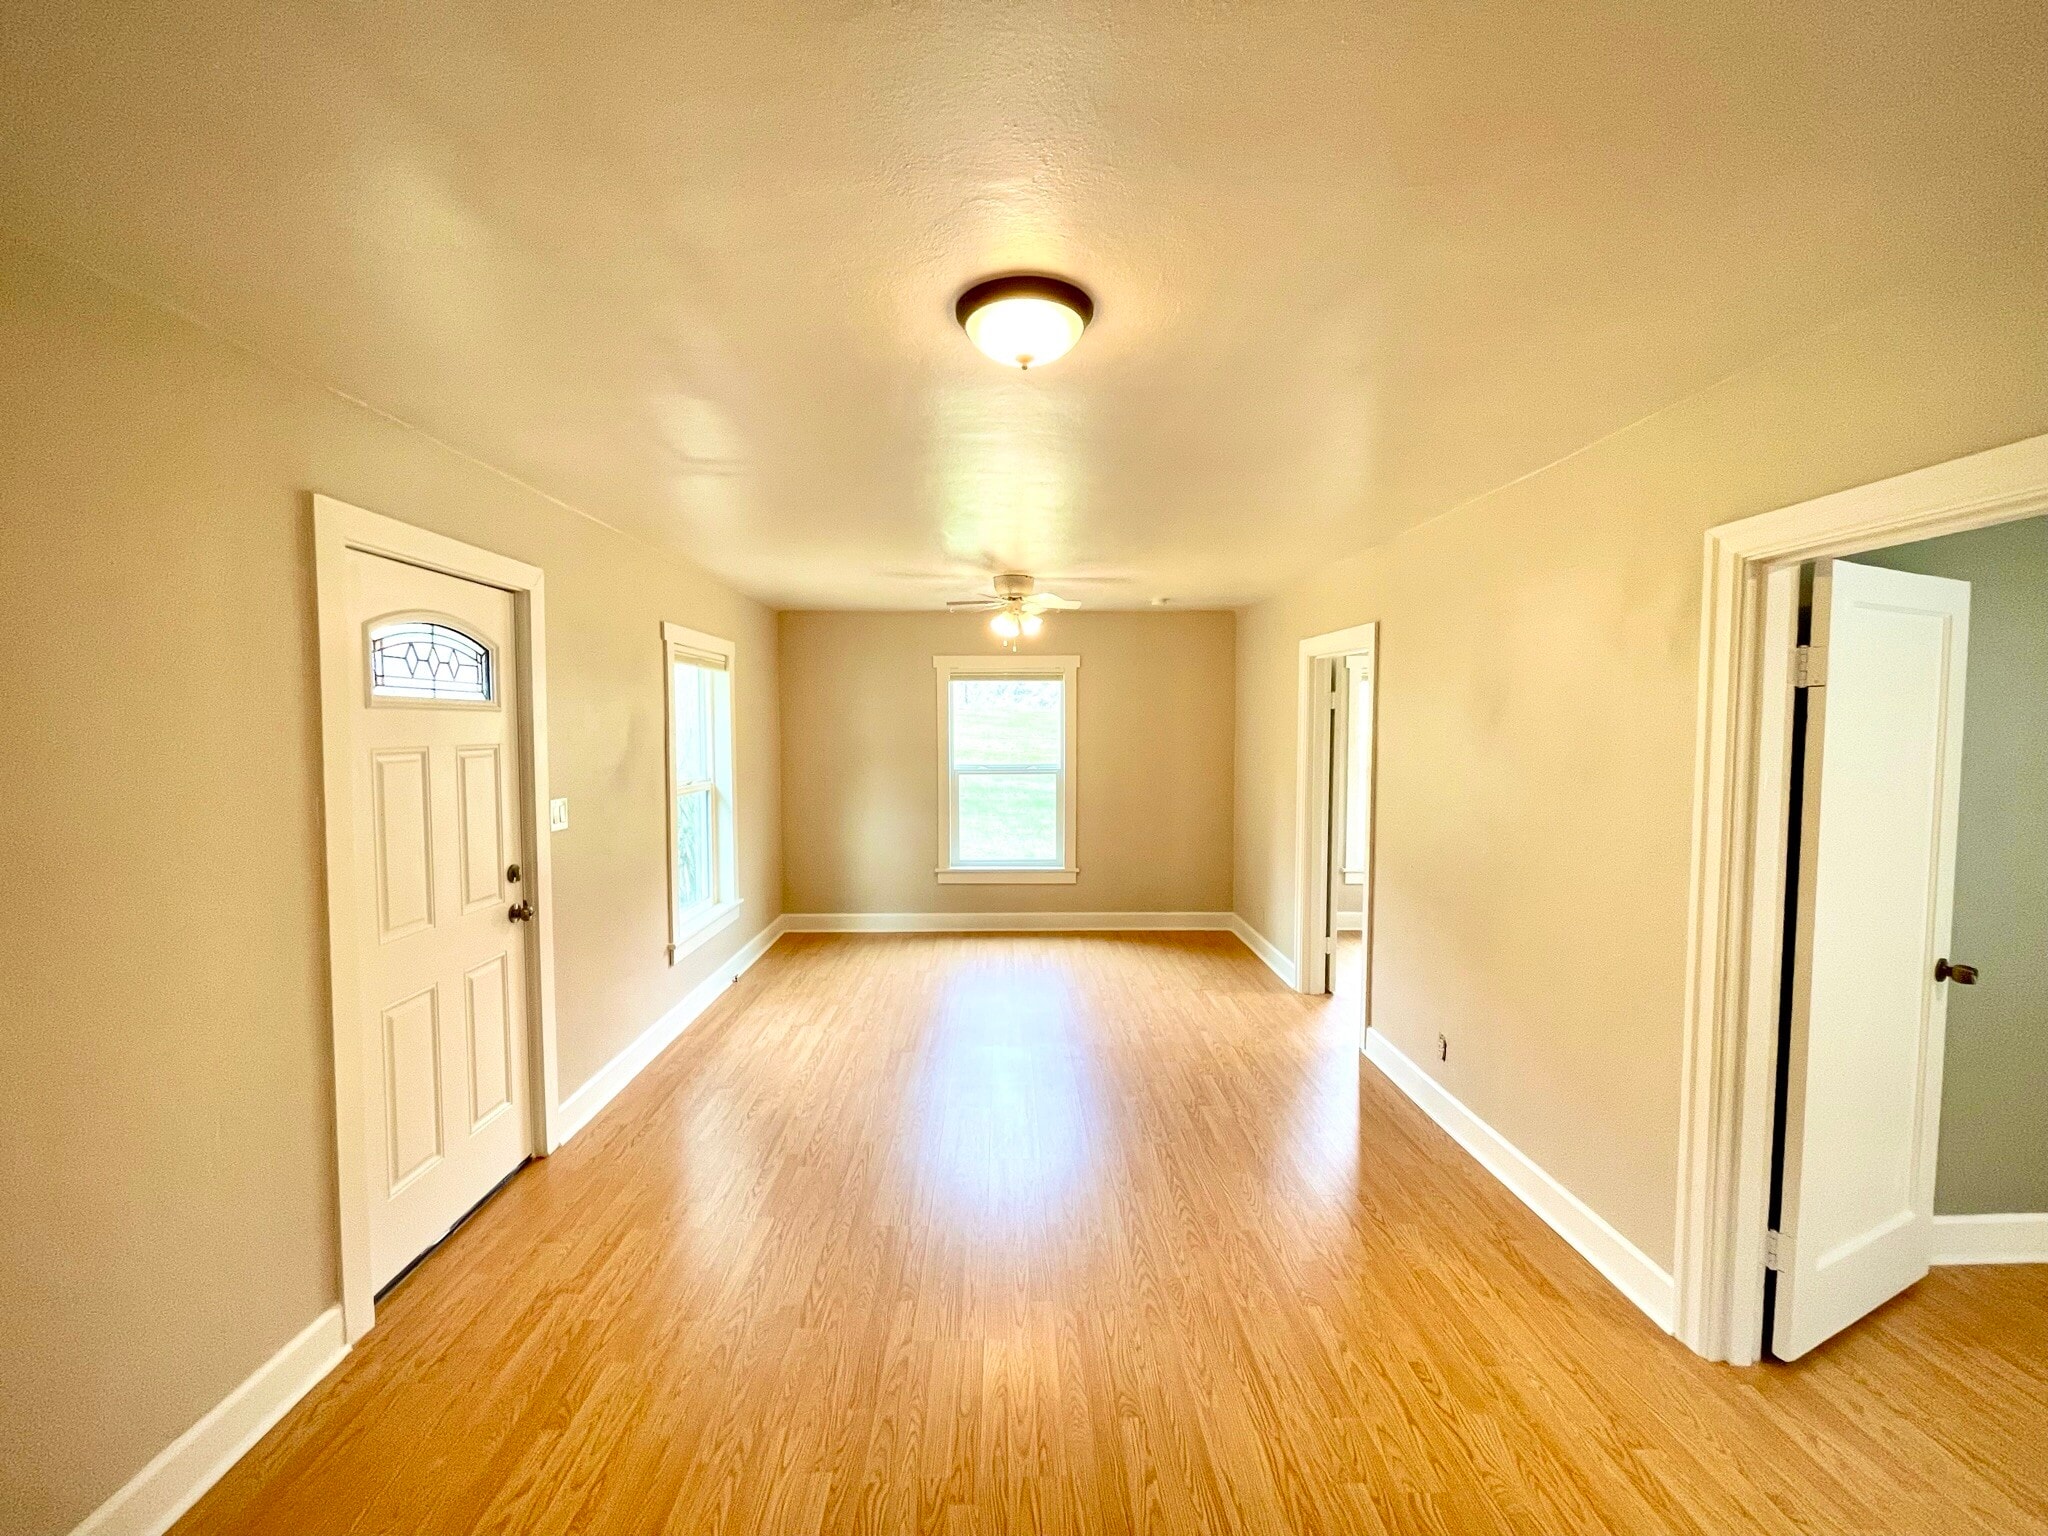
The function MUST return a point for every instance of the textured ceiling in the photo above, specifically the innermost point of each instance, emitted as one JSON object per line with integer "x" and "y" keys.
{"x": 690, "y": 267}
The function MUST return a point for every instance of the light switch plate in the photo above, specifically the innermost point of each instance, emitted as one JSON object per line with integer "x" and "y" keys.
{"x": 558, "y": 815}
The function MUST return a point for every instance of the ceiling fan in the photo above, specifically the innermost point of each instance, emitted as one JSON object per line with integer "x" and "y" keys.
{"x": 1017, "y": 603}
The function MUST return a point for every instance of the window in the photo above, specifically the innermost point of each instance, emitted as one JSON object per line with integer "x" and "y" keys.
{"x": 1006, "y": 748}
{"x": 422, "y": 659}
{"x": 703, "y": 862}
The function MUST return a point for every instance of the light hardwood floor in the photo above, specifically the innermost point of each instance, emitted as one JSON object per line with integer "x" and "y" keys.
{"x": 1104, "y": 1234}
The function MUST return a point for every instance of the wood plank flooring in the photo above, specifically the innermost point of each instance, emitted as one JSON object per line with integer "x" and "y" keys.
{"x": 1104, "y": 1233}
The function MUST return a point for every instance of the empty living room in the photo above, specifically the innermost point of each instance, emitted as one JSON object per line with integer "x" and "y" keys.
{"x": 1021, "y": 769}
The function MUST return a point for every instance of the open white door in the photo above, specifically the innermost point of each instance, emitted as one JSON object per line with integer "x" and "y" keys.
{"x": 1325, "y": 746}
{"x": 1876, "y": 884}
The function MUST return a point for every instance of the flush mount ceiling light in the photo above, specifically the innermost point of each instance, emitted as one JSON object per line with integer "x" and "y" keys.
{"x": 1024, "y": 321}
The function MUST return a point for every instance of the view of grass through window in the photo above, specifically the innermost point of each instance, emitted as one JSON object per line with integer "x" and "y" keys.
{"x": 695, "y": 690}
{"x": 1006, "y": 751}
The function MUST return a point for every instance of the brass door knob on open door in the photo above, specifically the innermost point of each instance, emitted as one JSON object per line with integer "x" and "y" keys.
{"x": 521, "y": 913}
{"x": 1961, "y": 975}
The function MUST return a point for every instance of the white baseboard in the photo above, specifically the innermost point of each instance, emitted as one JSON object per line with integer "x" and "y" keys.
{"x": 1631, "y": 1270}
{"x": 582, "y": 1106}
{"x": 1255, "y": 941}
{"x": 1008, "y": 922}
{"x": 152, "y": 1500}
{"x": 1044, "y": 922}
{"x": 2016, "y": 1239}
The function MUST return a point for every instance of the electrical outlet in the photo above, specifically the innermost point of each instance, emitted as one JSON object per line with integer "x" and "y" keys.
{"x": 558, "y": 815}
{"x": 1443, "y": 1049}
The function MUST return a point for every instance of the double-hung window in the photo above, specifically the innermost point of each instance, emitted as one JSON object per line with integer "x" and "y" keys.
{"x": 1006, "y": 748}
{"x": 702, "y": 833}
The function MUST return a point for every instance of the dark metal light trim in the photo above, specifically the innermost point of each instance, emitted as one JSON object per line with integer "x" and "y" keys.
{"x": 1024, "y": 285}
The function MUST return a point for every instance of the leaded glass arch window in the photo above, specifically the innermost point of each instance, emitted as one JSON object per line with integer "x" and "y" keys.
{"x": 417, "y": 658}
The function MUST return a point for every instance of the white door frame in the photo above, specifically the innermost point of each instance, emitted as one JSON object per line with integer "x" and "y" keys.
{"x": 337, "y": 529}
{"x": 1735, "y": 923}
{"x": 1312, "y": 797}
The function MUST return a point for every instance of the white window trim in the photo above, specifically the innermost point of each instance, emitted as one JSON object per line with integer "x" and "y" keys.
{"x": 1067, "y": 670}
{"x": 700, "y": 926}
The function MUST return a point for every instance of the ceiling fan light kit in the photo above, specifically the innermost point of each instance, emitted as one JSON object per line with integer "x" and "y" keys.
{"x": 1019, "y": 606}
{"x": 1025, "y": 320}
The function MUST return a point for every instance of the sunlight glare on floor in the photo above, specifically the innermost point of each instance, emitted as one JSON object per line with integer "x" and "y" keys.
{"x": 1007, "y": 1123}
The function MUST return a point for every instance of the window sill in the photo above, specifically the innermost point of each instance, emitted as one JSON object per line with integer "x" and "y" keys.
{"x": 702, "y": 927}
{"x": 1008, "y": 876}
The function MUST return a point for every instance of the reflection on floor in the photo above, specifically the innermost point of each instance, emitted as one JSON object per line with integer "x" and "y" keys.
{"x": 1103, "y": 1233}
{"x": 1347, "y": 966}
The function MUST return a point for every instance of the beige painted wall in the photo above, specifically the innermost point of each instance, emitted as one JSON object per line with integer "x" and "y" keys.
{"x": 166, "y": 1156}
{"x": 1539, "y": 651}
{"x": 860, "y": 779}
{"x": 1994, "y": 1129}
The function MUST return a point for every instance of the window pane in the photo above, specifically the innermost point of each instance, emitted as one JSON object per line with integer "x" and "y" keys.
{"x": 1009, "y": 818}
{"x": 1007, "y": 722}
{"x": 693, "y": 850}
{"x": 693, "y": 724}
{"x": 415, "y": 659}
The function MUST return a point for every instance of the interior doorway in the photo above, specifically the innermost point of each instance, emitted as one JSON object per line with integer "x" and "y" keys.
{"x": 1336, "y": 750}
{"x": 1832, "y": 1154}
{"x": 1913, "y": 1048}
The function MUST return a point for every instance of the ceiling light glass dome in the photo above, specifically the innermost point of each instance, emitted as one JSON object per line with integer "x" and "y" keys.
{"x": 1024, "y": 321}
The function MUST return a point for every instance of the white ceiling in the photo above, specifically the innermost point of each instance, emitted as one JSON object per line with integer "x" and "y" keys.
{"x": 690, "y": 267}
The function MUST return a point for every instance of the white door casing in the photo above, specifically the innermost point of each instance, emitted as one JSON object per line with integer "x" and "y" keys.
{"x": 1735, "y": 914}
{"x": 340, "y": 531}
{"x": 1318, "y": 657}
{"x": 443, "y": 1026}
{"x": 1876, "y": 888}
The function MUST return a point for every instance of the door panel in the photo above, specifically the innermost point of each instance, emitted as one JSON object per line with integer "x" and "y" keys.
{"x": 1877, "y": 876}
{"x": 412, "y": 1087}
{"x": 405, "y": 851}
{"x": 444, "y": 966}
{"x": 490, "y": 1053}
{"x": 483, "y": 861}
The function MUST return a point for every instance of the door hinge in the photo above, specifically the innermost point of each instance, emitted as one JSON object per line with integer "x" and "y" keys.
{"x": 1810, "y": 666}
{"x": 1774, "y": 1249}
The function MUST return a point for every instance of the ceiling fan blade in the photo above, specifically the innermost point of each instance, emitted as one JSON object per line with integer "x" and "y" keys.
{"x": 1040, "y": 602}
{"x": 971, "y": 604}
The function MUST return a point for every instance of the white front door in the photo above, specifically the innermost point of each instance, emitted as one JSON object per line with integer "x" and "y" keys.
{"x": 437, "y": 797}
{"x": 1883, "y": 774}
